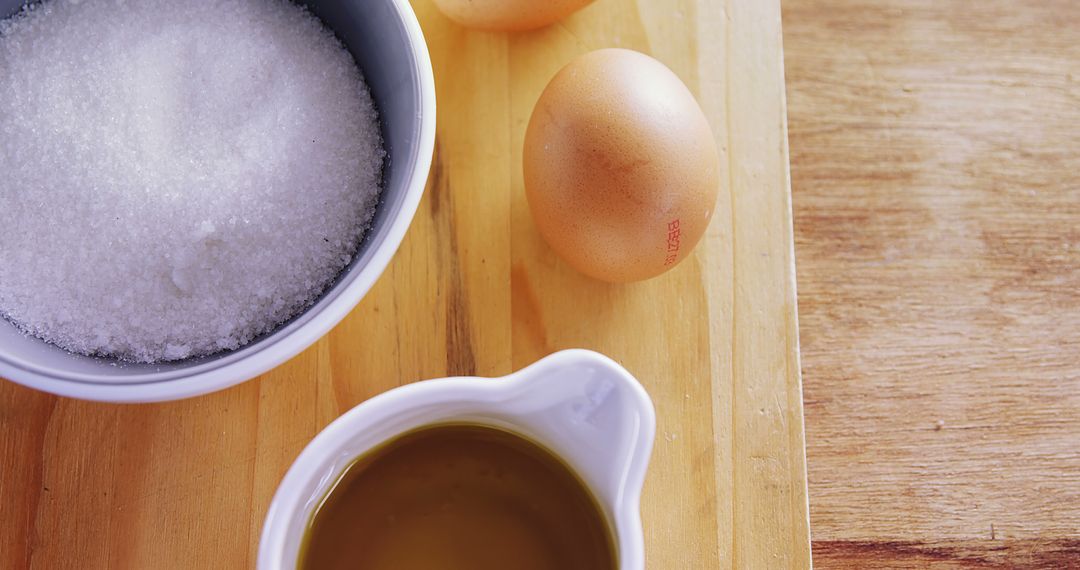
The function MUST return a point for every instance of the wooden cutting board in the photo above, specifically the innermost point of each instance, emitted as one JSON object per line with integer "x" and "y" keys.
{"x": 474, "y": 290}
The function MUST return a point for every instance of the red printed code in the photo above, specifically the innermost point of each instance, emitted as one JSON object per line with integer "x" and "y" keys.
{"x": 673, "y": 233}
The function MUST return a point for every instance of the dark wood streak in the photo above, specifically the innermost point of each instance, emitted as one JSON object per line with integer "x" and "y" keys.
{"x": 1058, "y": 554}
{"x": 435, "y": 179}
{"x": 460, "y": 358}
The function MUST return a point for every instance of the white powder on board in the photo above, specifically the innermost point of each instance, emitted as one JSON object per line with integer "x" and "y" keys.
{"x": 176, "y": 177}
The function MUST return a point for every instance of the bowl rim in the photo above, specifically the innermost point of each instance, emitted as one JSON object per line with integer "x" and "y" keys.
{"x": 288, "y": 341}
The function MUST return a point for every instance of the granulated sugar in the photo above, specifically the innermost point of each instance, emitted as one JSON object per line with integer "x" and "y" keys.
{"x": 176, "y": 177}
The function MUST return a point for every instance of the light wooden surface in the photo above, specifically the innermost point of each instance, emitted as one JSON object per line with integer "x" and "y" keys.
{"x": 473, "y": 290}
{"x": 936, "y": 187}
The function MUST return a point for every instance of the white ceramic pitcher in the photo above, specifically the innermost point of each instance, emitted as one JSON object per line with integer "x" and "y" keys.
{"x": 579, "y": 404}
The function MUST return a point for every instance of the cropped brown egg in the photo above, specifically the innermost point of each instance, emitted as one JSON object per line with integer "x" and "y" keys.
{"x": 508, "y": 15}
{"x": 621, "y": 168}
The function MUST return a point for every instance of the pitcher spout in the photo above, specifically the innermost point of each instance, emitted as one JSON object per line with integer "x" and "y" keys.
{"x": 597, "y": 416}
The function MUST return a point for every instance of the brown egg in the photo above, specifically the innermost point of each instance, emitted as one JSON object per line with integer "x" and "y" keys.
{"x": 621, "y": 168}
{"x": 508, "y": 15}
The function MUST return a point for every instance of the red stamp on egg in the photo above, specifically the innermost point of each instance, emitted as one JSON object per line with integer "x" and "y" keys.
{"x": 673, "y": 233}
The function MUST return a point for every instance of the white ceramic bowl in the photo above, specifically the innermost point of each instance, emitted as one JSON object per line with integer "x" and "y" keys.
{"x": 385, "y": 38}
{"x": 579, "y": 404}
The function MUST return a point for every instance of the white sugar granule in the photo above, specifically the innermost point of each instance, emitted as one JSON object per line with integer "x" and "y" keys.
{"x": 177, "y": 177}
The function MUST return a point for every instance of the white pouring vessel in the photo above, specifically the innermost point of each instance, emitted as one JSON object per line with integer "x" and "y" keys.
{"x": 579, "y": 404}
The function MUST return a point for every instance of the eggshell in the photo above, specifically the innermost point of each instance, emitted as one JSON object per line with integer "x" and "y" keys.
{"x": 621, "y": 168}
{"x": 508, "y": 15}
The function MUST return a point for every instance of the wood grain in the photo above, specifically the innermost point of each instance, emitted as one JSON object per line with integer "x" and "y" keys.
{"x": 474, "y": 290}
{"x": 936, "y": 188}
